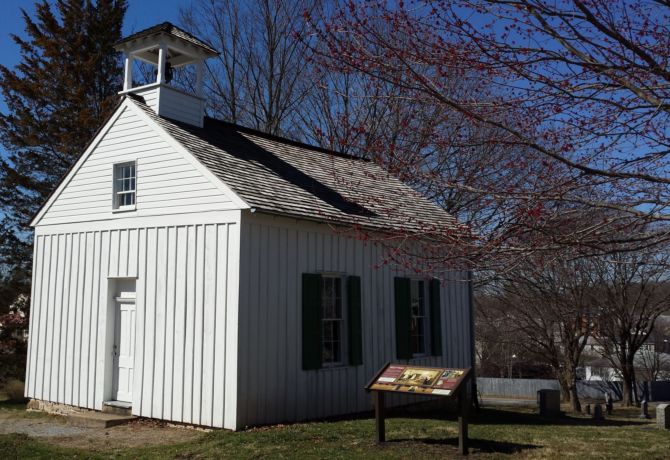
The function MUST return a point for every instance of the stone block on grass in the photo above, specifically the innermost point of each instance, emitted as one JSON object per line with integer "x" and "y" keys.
{"x": 663, "y": 416}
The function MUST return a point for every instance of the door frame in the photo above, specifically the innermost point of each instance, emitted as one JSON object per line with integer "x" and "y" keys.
{"x": 116, "y": 287}
{"x": 118, "y": 302}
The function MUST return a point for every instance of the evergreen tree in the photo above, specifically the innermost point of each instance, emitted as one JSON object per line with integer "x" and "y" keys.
{"x": 57, "y": 97}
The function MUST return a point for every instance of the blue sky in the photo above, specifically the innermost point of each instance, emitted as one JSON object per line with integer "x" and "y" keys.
{"x": 140, "y": 15}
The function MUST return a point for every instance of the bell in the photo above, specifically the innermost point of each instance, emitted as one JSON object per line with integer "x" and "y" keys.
{"x": 169, "y": 71}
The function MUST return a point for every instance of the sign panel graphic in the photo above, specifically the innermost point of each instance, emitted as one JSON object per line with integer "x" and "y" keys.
{"x": 418, "y": 380}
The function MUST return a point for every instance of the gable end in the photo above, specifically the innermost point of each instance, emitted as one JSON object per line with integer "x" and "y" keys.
{"x": 170, "y": 180}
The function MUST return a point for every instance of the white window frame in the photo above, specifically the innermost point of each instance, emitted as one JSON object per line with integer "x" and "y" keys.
{"x": 425, "y": 318}
{"x": 116, "y": 190}
{"x": 342, "y": 320}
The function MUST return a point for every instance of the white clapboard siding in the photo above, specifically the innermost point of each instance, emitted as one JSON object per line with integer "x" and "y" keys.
{"x": 181, "y": 106}
{"x": 150, "y": 95}
{"x": 167, "y": 181}
{"x": 172, "y": 103}
{"x": 275, "y": 252}
{"x": 187, "y": 287}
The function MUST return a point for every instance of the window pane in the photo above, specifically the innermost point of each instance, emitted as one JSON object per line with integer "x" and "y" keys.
{"x": 327, "y": 288}
{"x": 335, "y": 325}
{"x": 415, "y": 344}
{"x": 421, "y": 325}
{"x": 328, "y": 309}
{"x": 327, "y": 352}
{"x": 336, "y": 349}
{"x": 413, "y": 326}
{"x": 337, "y": 308}
{"x": 338, "y": 288}
{"x": 327, "y": 331}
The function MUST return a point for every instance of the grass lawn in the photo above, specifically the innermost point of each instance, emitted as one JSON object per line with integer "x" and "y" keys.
{"x": 494, "y": 433}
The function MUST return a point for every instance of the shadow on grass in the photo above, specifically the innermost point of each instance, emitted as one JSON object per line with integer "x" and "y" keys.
{"x": 508, "y": 417}
{"x": 482, "y": 445}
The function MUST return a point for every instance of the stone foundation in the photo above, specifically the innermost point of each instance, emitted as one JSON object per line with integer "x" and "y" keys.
{"x": 54, "y": 408}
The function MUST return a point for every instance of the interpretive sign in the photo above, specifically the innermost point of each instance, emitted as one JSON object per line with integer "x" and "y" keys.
{"x": 427, "y": 381}
{"x": 419, "y": 380}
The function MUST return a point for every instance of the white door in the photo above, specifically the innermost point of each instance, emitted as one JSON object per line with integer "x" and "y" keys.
{"x": 124, "y": 349}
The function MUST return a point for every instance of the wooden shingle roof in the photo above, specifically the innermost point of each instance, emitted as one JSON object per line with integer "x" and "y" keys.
{"x": 279, "y": 176}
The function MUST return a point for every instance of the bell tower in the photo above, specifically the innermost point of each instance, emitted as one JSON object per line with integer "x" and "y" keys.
{"x": 167, "y": 47}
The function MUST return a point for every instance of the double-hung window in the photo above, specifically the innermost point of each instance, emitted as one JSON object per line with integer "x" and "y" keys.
{"x": 125, "y": 182}
{"x": 418, "y": 327}
{"x": 332, "y": 321}
{"x": 418, "y": 317}
{"x": 332, "y": 333}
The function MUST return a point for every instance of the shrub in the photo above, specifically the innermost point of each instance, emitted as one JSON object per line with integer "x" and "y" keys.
{"x": 14, "y": 390}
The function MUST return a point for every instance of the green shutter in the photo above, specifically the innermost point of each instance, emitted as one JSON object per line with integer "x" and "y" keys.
{"x": 402, "y": 318}
{"x": 435, "y": 319}
{"x": 311, "y": 321}
{"x": 354, "y": 330}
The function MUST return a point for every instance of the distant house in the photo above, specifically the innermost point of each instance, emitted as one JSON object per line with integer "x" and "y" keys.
{"x": 652, "y": 360}
{"x": 200, "y": 272}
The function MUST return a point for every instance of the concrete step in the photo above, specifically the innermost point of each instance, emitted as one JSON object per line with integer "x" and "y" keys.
{"x": 116, "y": 408}
{"x": 97, "y": 419}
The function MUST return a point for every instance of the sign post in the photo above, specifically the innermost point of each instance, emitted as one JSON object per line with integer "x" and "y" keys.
{"x": 428, "y": 381}
{"x": 380, "y": 416}
{"x": 463, "y": 408}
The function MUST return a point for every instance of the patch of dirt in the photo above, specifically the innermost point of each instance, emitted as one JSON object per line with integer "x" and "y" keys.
{"x": 54, "y": 430}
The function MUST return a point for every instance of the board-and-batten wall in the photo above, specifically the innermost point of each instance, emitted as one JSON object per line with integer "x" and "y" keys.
{"x": 186, "y": 334}
{"x": 272, "y": 385}
{"x": 167, "y": 182}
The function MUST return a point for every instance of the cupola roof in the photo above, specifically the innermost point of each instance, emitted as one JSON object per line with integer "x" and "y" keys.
{"x": 167, "y": 29}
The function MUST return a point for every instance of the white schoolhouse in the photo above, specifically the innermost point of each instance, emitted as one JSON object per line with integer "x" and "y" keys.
{"x": 200, "y": 272}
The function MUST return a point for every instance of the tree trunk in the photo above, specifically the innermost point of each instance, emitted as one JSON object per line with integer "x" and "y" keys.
{"x": 570, "y": 379}
{"x": 566, "y": 394}
{"x": 574, "y": 398}
{"x": 628, "y": 376}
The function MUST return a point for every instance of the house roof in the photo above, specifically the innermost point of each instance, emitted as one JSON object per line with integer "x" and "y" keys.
{"x": 279, "y": 176}
{"x": 169, "y": 29}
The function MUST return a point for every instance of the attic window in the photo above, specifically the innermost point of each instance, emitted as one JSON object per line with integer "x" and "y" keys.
{"x": 124, "y": 186}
